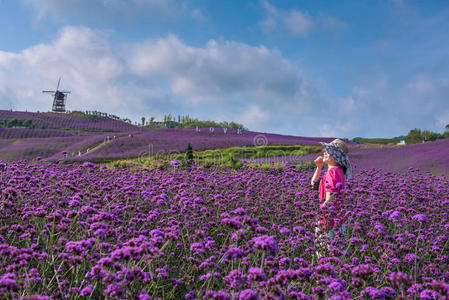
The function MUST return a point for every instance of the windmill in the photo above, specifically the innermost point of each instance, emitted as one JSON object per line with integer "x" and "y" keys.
{"x": 59, "y": 98}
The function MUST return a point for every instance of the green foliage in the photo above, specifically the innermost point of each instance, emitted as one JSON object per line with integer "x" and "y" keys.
{"x": 189, "y": 152}
{"x": 232, "y": 162}
{"x": 188, "y": 122}
{"x": 417, "y": 136}
{"x": 308, "y": 165}
{"x": 10, "y": 123}
{"x": 93, "y": 114}
{"x": 414, "y": 136}
{"x": 378, "y": 141}
{"x": 226, "y": 158}
{"x": 268, "y": 166}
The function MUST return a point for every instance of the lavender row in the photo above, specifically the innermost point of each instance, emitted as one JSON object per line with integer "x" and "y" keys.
{"x": 30, "y": 148}
{"x": 19, "y": 133}
{"x": 71, "y": 121}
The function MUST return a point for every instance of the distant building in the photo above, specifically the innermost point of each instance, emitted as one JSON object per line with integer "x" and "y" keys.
{"x": 402, "y": 142}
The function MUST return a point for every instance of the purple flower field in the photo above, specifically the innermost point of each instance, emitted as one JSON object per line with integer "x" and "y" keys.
{"x": 20, "y": 133}
{"x": 131, "y": 144}
{"x": 70, "y": 121}
{"x": 85, "y": 230}
{"x": 30, "y": 148}
{"x": 430, "y": 156}
{"x": 176, "y": 140}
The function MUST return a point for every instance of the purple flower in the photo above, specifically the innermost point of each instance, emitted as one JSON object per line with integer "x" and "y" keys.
{"x": 248, "y": 295}
{"x": 190, "y": 294}
{"x": 421, "y": 218}
{"x": 395, "y": 216}
{"x": 337, "y": 285}
{"x": 256, "y": 274}
{"x": 398, "y": 279}
{"x": 265, "y": 242}
{"x": 8, "y": 281}
{"x": 362, "y": 270}
{"x": 87, "y": 290}
{"x": 36, "y": 297}
{"x": 234, "y": 253}
{"x": 219, "y": 295}
{"x": 197, "y": 248}
{"x": 372, "y": 293}
{"x": 235, "y": 279}
{"x": 299, "y": 229}
{"x": 411, "y": 257}
{"x": 143, "y": 295}
{"x": 429, "y": 294}
{"x": 389, "y": 293}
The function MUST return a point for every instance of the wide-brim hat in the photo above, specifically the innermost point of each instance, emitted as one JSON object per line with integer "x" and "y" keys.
{"x": 338, "y": 150}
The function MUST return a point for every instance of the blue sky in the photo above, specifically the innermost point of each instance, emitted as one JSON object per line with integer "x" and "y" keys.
{"x": 307, "y": 68}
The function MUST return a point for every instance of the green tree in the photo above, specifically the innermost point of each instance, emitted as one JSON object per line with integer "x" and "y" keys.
{"x": 189, "y": 153}
{"x": 414, "y": 136}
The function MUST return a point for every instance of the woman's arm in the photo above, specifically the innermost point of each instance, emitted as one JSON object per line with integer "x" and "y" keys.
{"x": 319, "y": 166}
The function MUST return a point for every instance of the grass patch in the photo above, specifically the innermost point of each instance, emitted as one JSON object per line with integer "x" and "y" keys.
{"x": 227, "y": 157}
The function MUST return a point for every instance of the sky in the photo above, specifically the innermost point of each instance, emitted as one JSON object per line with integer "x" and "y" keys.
{"x": 306, "y": 68}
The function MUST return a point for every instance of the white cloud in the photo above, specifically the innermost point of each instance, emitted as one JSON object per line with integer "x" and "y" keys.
{"x": 297, "y": 23}
{"x": 443, "y": 120}
{"x": 242, "y": 82}
{"x": 221, "y": 72}
{"x": 198, "y": 15}
{"x": 255, "y": 118}
{"x": 379, "y": 108}
{"x": 331, "y": 23}
{"x": 222, "y": 80}
{"x": 101, "y": 9}
{"x": 89, "y": 67}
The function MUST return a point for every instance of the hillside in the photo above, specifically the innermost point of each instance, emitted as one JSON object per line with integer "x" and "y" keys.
{"x": 78, "y": 137}
{"x": 430, "y": 156}
{"x": 74, "y": 137}
{"x": 176, "y": 140}
{"x": 72, "y": 121}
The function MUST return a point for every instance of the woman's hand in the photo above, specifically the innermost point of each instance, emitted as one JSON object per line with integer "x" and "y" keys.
{"x": 319, "y": 162}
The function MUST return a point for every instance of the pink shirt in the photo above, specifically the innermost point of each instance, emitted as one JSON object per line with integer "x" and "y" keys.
{"x": 333, "y": 181}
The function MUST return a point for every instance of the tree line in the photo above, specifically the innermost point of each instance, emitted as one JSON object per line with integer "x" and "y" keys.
{"x": 186, "y": 122}
{"x": 417, "y": 135}
{"x": 169, "y": 121}
{"x": 92, "y": 114}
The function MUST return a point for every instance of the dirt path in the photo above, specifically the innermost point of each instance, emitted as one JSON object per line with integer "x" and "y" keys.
{"x": 100, "y": 145}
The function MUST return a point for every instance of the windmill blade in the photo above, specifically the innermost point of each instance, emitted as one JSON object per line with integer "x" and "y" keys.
{"x": 58, "y": 83}
{"x": 65, "y": 92}
{"x": 48, "y": 91}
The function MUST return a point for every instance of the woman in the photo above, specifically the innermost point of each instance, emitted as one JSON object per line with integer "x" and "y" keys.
{"x": 331, "y": 186}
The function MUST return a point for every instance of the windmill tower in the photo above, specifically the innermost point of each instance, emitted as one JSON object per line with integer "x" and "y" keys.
{"x": 59, "y": 98}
